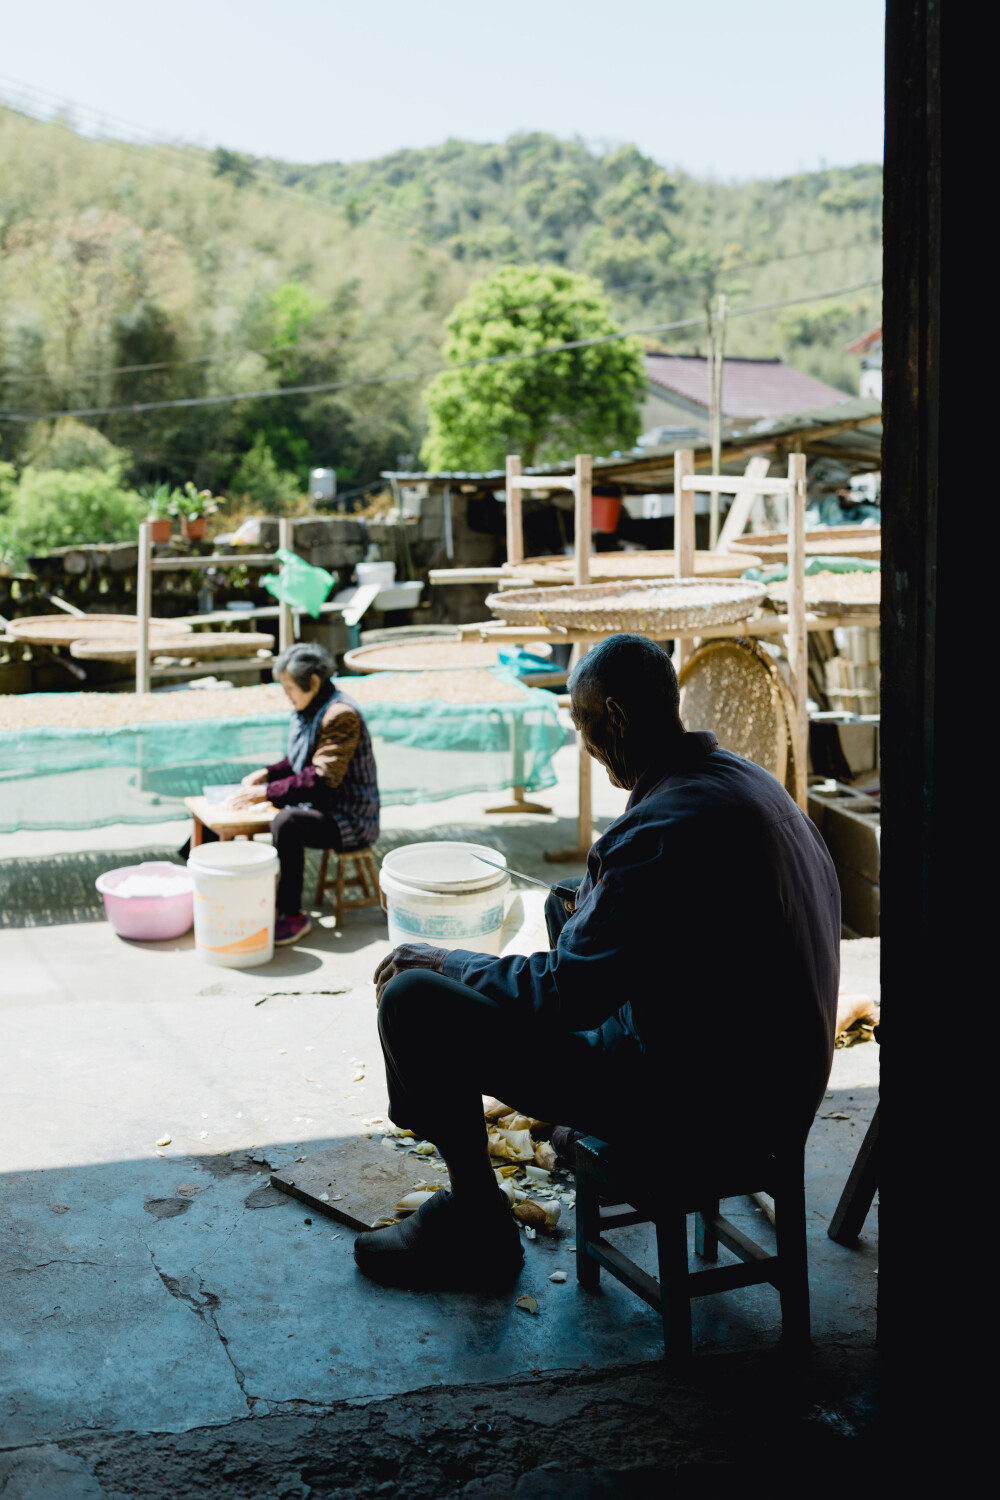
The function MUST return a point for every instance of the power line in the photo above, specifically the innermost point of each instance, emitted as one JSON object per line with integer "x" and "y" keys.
{"x": 324, "y": 387}
{"x": 366, "y": 338}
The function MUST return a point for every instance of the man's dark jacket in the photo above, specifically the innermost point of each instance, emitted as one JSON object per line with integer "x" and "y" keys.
{"x": 703, "y": 957}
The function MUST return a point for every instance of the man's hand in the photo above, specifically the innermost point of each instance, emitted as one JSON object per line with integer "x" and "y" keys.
{"x": 407, "y": 956}
{"x": 249, "y": 797}
{"x": 254, "y": 778}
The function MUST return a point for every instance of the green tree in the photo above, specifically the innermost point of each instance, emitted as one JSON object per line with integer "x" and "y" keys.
{"x": 547, "y": 407}
{"x": 58, "y": 508}
{"x": 259, "y": 478}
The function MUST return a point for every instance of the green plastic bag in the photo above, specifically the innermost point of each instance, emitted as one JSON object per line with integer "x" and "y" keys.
{"x": 299, "y": 583}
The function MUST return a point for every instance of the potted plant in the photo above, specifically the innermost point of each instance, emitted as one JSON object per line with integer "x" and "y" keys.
{"x": 606, "y": 505}
{"x": 194, "y": 508}
{"x": 160, "y": 498}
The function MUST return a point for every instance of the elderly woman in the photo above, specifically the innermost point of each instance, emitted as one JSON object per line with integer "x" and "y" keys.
{"x": 325, "y": 787}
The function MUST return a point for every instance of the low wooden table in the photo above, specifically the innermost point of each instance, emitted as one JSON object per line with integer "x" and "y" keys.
{"x": 226, "y": 822}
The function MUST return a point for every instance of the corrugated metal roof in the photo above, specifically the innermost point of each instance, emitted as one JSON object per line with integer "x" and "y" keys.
{"x": 750, "y": 387}
{"x": 850, "y": 428}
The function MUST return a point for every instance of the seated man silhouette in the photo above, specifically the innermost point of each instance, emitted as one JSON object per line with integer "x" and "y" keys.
{"x": 686, "y": 1010}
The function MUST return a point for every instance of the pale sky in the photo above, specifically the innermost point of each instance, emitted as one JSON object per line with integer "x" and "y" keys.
{"x": 796, "y": 85}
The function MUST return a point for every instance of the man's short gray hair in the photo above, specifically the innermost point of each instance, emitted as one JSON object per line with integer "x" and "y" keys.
{"x": 303, "y": 662}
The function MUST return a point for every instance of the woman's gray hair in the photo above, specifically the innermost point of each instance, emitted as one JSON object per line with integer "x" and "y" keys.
{"x": 303, "y": 662}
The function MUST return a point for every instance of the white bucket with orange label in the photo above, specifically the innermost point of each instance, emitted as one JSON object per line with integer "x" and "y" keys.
{"x": 234, "y": 886}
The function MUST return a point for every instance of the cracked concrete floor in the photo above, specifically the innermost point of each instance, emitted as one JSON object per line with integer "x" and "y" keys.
{"x": 165, "y": 1292}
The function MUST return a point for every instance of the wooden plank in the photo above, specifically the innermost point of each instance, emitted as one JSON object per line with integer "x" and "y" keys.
{"x": 739, "y": 512}
{"x": 766, "y": 625}
{"x": 859, "y": 1192}
{"x": 515, "y": 527}
{"x": 446, "y": 576}
{"x": 143, "y": 606}
{"x": 626, "y": 1271}
{"x": 797, "y": 640}
{"x": 732, "y": 1278}
{"x": 582, "y": 513}
{"x": 286, "y": 621}
{"x": 249, "y": 560}
{"x": 740, "y": 1244}
{"x": 357, "y": 1182}
{"x": 538, "y": 482}
{"x": 735, "y": 484}
{"x": 684, "y": 539}
{"x": 361, "y": 600}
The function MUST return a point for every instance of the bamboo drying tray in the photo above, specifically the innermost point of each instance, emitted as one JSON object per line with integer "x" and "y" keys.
{"x": 838, "y": 541}
{"x": 201, "y": 644}
{"x": 619, "y": 567}
{"x": 430, "y": 655}
{"x": 835, "y": 593}
{"x": 733, "y": 688}
{"x": 63, "y": 630}
{"x": 464, "y": 685}
{"x": 666, "y": 604}
{"x": 115, "y": 710}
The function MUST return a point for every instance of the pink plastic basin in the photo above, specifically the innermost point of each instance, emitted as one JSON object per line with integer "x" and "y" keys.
{"x": 148, "y": 918}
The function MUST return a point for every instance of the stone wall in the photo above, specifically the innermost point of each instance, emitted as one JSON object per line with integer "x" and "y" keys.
{"x": 102, "y": 580}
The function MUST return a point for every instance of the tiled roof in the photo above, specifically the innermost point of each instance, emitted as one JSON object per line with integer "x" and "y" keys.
{"x": 750, "y": 387}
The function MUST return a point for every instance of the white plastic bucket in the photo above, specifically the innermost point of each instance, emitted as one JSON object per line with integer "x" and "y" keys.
{"x": 382, "y": 573}
{"x": 234, "y": 885}
{"x": 439, "y": 893}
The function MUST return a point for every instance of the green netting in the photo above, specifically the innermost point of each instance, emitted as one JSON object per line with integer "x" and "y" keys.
{"x": 425, "y": 751}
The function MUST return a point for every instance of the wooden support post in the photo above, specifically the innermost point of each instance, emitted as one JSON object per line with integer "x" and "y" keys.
{"x": 797, "y": 638}
{"x": 717, "y": 336}
{"x": 585, "y": 811}
{"x": 515, "y": 526}
{"x": 683, "y": 538}
{"x": 582, "y": 519}
{"x": 143, "y": 606}
{"x": 286, "y": 620}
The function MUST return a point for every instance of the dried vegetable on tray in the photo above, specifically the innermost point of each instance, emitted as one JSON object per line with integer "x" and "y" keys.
{"x": 664, "y": 605}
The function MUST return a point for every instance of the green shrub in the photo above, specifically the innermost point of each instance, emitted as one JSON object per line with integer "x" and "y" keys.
{"x": 260, "y": 480}
{"x": 57, "y": 508}
{"x": 69, "y": 444}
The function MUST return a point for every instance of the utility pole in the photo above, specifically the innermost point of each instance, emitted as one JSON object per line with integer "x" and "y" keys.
{"x": 716, "y": 350}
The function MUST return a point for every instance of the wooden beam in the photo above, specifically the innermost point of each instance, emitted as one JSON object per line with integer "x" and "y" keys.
{"x": 739, "y": 512}
{"x": 143, "y": 606}
{"x": 797, "y": 637}
{"x": 684, "y": 538}
{"x": 286, "y": 620}
{"x": 582, "y": 513}
{"x": 766, "y": 625}
{"x": 515, "y": 528}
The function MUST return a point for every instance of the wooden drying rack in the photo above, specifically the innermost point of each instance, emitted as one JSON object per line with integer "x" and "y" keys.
{"x": 794, "y": 625}
{"x": 148, "y": 565}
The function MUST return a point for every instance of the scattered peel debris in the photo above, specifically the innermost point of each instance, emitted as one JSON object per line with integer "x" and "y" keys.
{"x": 528, "y": 1305}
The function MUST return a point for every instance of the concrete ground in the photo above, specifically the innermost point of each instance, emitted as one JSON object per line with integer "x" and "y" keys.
{"x": 154, "y": 1296}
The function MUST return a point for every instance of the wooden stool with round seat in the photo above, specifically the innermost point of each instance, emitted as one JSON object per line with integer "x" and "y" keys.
{"x": 365, "y": 876}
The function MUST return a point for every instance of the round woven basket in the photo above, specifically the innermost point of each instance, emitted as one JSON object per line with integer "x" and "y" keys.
{"x": 664, "y": 605}
{"x": 62, "y": 630}
{"x": 430, "y": 655}
{"x": 839, "y": 541}
{"x": 733, "y": 688}
{"x": 835, "y": 593}
{"x": 618, "y": 567}
{"x": 203, "y": 644}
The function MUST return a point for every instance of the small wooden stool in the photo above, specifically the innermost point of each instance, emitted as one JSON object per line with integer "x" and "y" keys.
{"x": 604, "y": 1201}
{"x": 365, "y": 876}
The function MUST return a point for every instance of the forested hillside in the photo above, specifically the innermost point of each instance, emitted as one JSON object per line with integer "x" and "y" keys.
{"x": 227, "y": 274}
